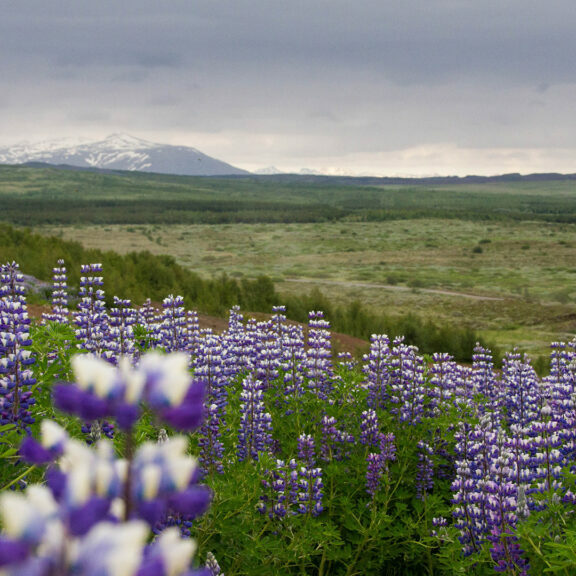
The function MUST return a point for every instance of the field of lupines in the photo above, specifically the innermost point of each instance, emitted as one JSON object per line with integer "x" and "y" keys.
{"x": 134, "y": 443}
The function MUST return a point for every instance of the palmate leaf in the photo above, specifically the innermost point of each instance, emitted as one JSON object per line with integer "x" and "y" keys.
{"x": 6, "y": 427}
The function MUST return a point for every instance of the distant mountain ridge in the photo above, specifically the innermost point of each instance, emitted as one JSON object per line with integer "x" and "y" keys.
{"x": 120, "y": 152}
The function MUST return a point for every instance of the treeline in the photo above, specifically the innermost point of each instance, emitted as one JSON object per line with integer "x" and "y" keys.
{"x": 142, "y": 275}
{"x": 37, "y": 196}
{"x": 68, "y": 212}
{"x": 39, "y": 211}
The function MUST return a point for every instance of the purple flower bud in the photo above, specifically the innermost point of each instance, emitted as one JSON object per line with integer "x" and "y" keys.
{"x": 83, "y": 518}
{"x": 12, "y": 551}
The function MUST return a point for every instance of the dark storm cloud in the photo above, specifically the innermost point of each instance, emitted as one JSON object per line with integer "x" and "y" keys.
{"x": 294, "y": 80}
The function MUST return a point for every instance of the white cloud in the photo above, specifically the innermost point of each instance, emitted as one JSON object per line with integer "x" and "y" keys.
{"x": 442, "y": 86}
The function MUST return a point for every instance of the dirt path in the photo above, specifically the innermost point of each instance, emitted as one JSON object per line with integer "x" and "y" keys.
{"x": 391, "y": 287}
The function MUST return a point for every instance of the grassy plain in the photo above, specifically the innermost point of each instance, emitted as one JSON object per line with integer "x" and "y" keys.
{"x": 497, "y": 255}
{"x": 514, "y": 282}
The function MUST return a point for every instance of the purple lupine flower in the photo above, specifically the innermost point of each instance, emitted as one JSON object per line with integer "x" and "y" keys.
{"x": 148, "y": 319}
{"x": 192, "y": 330}
{"x": 335, "y": 443}
{"x": 369, "y": 428}
{"x": 275, "y": 500}
{"x": 501, "y": 504}
{"x": 37, "y": 542}
{"x": 234, "y": 340}
{"x": 439, "y": 525}
{"x": 317, "y": 365}
{"x": 307, "y": 449}
{"x": 463, "y": 397}
{"x": 559, "y": 394}
{"x": 96, "y": 508}
{"x": 60, "y": 312}
{"x": 443, "y": 378}
{"x": 278, "y": 321}
{"x": 159, "y": 479}
{"x": 32, "y": 519}
{"x": 376, "y": 368}
{"x": 212, "y": 565}
{"x": 119, "y": 340}
{"x": 16, "y": 378}
{"x": 165, "y": 491}
{"x": 388, "y": 447}
{"x": 173, "y": 330}
{"x": 507, "y": 554}
{"x": 91, "y": 318}
{"x": 521, "y": 390}
{"x": 485, "y": 381}
{"x": 245, "y": 347}
{"x": 486, "y": 494}
{"x": 374, "y": 471}
{"x": 346, "y": 360}
{"x": 51, "y": 446}
{"x": 211, "y": 447}
{"x": 546, "y": 451}
{"x": 377, "y": 463}
{"x": 407, "y": 389}
{"x": 255, "y": 434}
{"x": 268, "y": 354}
{"x": 211, "y": 364}
{"x": 425, "y": 470}
{"x": 465, "y": 510}
{"x": 310, "y": 491}
{"x": 561, "y": 358}
{"x": 95, "y": 429}
{"x": 163, "y": 382}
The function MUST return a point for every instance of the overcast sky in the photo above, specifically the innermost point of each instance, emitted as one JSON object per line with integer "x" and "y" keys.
{"x": 411, "y": 87}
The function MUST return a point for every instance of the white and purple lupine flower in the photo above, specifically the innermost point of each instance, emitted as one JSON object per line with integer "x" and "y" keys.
{"x": 162, "y": 382}
{"x": 91, "y": 484}
{"x": 36, "y": 542}
{"x": 211, "y": 363}
{"x": 369, "y": 428}
{"x": 310, "y": 491}
{"x": 293, "y": 354}
{"x": 212, "y": 565}
{"x": 211, "y": 447}
{"x": 60, "y": 312}
{"x": 16, "y": 378}
{"x": 377, "y": 370}
{"x": 335, "y": 443}
{"x": 277, "y": 498}
{"x": 91, "y": 319}
{"x": 268, "y": 354}
{"x": 307, "y": 449}
{"x": 407, "y": 388}
{"x": 255, "y": 434}
{"x": 443, "y": 378}
{"x": 119, "y": 341}
{"x": 377, "y": 463}
{"x": 425, "y": 470}
{"x": 174, "y": 329}
{"x": 317, "y": 365}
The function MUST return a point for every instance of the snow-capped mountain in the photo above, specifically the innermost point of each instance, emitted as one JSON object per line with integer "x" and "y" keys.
{"x": 120, "y": 152}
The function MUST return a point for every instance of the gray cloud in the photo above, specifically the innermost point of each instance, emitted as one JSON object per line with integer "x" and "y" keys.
{"x": 306, "y": 82}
